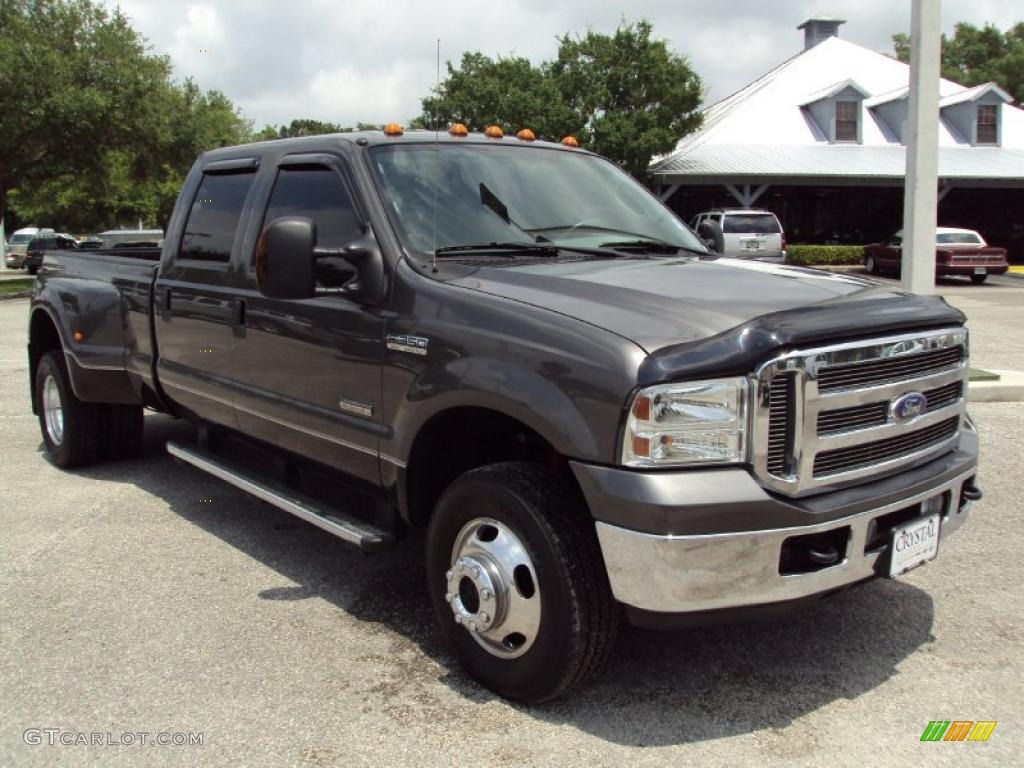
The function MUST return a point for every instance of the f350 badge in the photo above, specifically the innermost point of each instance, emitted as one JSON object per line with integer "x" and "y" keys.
{"x": 414, "y": 345}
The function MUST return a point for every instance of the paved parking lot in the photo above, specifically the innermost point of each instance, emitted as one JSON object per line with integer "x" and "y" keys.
{"x": 143, "y": 596}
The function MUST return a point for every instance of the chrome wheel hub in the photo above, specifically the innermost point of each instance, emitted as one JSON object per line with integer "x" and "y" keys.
{"x": 53, "y": 411}
{"x": 492, "y": 588}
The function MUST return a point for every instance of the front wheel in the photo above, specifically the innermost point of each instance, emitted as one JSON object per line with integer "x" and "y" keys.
{"x": 870, "y": 265}
{"x": 32, "y": 270}
{"x": 518, "y": 583}
{"x": 978, "y": 279}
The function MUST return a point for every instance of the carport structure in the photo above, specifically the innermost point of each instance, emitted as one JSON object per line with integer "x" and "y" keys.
{"x": 820, "y": 140}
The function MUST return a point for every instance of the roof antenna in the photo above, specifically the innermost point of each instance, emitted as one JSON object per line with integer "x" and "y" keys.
{"x": 437, "y": 141}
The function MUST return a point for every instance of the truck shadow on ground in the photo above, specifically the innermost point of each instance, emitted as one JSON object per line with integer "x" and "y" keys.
{"x": 660, "y": 688}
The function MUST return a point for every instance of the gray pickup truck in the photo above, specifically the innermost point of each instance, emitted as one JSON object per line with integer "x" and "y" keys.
{"x": 514, "y": 346}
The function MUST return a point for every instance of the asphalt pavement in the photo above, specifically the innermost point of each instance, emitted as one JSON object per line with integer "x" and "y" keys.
{"x": 145, "y": 597}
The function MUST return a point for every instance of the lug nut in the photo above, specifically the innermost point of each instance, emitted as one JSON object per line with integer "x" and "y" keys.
{"x": 485, "y": 594}
{"x": 448, "y": 597}
{"x": 484, "y": 617}
{"x": 458, "y": 618}
{"x": 460, "y": 565}
{"x": 472, "y": 626}
{"x": 476, "y": 572}
{"x": 450, "y": 575}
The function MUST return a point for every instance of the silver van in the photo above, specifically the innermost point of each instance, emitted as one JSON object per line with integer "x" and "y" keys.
{"x": 748, "y": 233}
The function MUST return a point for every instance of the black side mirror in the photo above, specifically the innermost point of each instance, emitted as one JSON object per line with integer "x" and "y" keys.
{"x": 284, "y": 259}
{"x": 370, "y": 283}
{"x": 710, "y": 231}
{"x": 288, "y": 263}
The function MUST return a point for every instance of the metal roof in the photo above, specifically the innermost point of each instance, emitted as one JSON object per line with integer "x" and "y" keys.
{"x": 837, "y": 161}
{"x": 761, "y": 130}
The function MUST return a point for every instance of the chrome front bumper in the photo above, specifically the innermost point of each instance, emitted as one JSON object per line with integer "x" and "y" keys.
{"x": 683, "y": 574}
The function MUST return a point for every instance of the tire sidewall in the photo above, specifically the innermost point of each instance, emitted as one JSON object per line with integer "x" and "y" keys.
{"x": 525, "y": 677}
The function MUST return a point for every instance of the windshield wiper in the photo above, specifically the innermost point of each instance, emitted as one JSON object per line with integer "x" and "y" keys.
{"x": 652, "y": 246}
{"x": 536, "y": 249}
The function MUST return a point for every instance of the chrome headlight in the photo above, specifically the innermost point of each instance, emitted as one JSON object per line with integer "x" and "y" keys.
{"x": 696, "y": 422}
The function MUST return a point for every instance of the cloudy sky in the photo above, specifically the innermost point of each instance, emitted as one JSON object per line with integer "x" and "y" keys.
{"x": 372, "y": 60}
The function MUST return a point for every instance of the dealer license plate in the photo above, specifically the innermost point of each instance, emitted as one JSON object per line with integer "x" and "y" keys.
{"x": 914, "y": 544}
{"x": 980, "y": 270}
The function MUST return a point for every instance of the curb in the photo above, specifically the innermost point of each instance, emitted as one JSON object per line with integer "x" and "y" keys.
{"x": 1009, "y": 388}
{"x": 20, "y": 295}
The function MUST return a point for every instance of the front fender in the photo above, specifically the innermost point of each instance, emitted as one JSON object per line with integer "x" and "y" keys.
{"x": 516, "y": 391}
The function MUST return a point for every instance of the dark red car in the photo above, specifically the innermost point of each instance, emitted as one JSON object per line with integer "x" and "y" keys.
{"x": 958, "y": 252}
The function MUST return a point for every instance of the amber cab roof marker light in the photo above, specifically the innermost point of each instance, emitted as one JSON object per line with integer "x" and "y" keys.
{"x": 458, "y": 129}
{"x": 493, "y": 132}
{"x": 570, "y": 141}
{"x": 393, "y": 129}
{"x": 526, "y": 135}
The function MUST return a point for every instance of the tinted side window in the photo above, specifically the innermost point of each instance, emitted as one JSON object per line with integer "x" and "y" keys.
{"x": 213, "y": 220}
{"x": 317, "y": 193}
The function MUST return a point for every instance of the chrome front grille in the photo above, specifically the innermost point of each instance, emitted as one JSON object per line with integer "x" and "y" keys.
{"x": 867, "y": 454}
{"x": 873, "y": 372}
{"x": 832, "y": 416}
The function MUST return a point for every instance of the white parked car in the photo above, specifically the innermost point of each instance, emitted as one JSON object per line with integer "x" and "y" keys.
{"x": 17, "y": 245}
{"x": 747, "y": 232}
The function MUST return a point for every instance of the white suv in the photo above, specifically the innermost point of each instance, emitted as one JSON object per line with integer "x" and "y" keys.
{"x": 748, "y": 233}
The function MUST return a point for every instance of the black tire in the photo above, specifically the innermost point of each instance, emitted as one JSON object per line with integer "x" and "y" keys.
{"x": 870, "y": 265}
{"x": 579, "y": 617}
{"x": 978, "y": 279}
{"x": 79, "y": 443}
{"x": 121, "y": 431}
{"x": 32, "y": 270}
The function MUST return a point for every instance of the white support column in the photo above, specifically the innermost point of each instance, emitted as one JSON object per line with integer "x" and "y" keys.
{"x": 921, "y": 189}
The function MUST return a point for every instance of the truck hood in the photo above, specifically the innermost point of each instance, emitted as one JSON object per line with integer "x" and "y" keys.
{"x": 670, "y": 303}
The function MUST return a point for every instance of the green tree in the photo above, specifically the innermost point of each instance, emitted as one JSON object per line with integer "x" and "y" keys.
{"x": 508, "y": 92}
{"x": 301, "y": 127}
{"x": 635, "y": 97}
{"x": 973, "y": 56}
{"x": 624, "y": 95}
{"x": 93, "y": 131}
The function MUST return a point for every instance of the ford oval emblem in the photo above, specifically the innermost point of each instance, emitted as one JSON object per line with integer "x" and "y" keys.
{"x": 908, "y": 407}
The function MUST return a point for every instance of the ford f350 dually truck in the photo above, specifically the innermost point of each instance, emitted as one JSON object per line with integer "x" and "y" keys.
{"x": 512, "y": 344}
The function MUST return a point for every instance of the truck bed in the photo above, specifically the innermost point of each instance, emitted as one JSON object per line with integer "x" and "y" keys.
{"x": 106, "y": 297}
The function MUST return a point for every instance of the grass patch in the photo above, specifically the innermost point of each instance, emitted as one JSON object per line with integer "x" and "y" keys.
{"x": 16, "y": 286}
{"x": 977, "y": 374}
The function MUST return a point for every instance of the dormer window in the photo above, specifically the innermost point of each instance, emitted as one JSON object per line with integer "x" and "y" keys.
{"x": 973, "y": 115}
{"x": 834, "y": 112}
{"x": 988, "y": 124}
{"x": 846, "y": 120}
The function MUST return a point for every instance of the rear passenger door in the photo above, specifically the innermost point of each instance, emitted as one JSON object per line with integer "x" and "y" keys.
{"x": 196, "y": 307}
{"x": 309, "y": 370}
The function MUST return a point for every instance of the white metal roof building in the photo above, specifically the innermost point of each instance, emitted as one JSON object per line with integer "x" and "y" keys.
{"x": 833, "y": 118}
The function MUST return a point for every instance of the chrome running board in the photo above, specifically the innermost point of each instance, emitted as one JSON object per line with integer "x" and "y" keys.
{"x": 347, "y": 528}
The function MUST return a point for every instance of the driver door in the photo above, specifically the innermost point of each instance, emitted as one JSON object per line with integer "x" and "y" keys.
{"x": 310, "y": 369}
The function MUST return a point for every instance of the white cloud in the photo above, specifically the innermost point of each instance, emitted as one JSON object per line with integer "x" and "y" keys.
{"x": 373, "y": 61}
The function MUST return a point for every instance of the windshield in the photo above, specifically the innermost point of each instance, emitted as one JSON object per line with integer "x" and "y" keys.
{"x": 20, "y": 239}
{"x": 751, "y": 224}
{"x": 505, "y": 194}
{"x": 958, "y": 238}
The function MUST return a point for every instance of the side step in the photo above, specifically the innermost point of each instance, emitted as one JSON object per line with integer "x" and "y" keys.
{"x": 349, "y": 529}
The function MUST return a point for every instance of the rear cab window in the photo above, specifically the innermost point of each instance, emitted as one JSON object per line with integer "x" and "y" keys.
{"x": 213, "y": 219}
